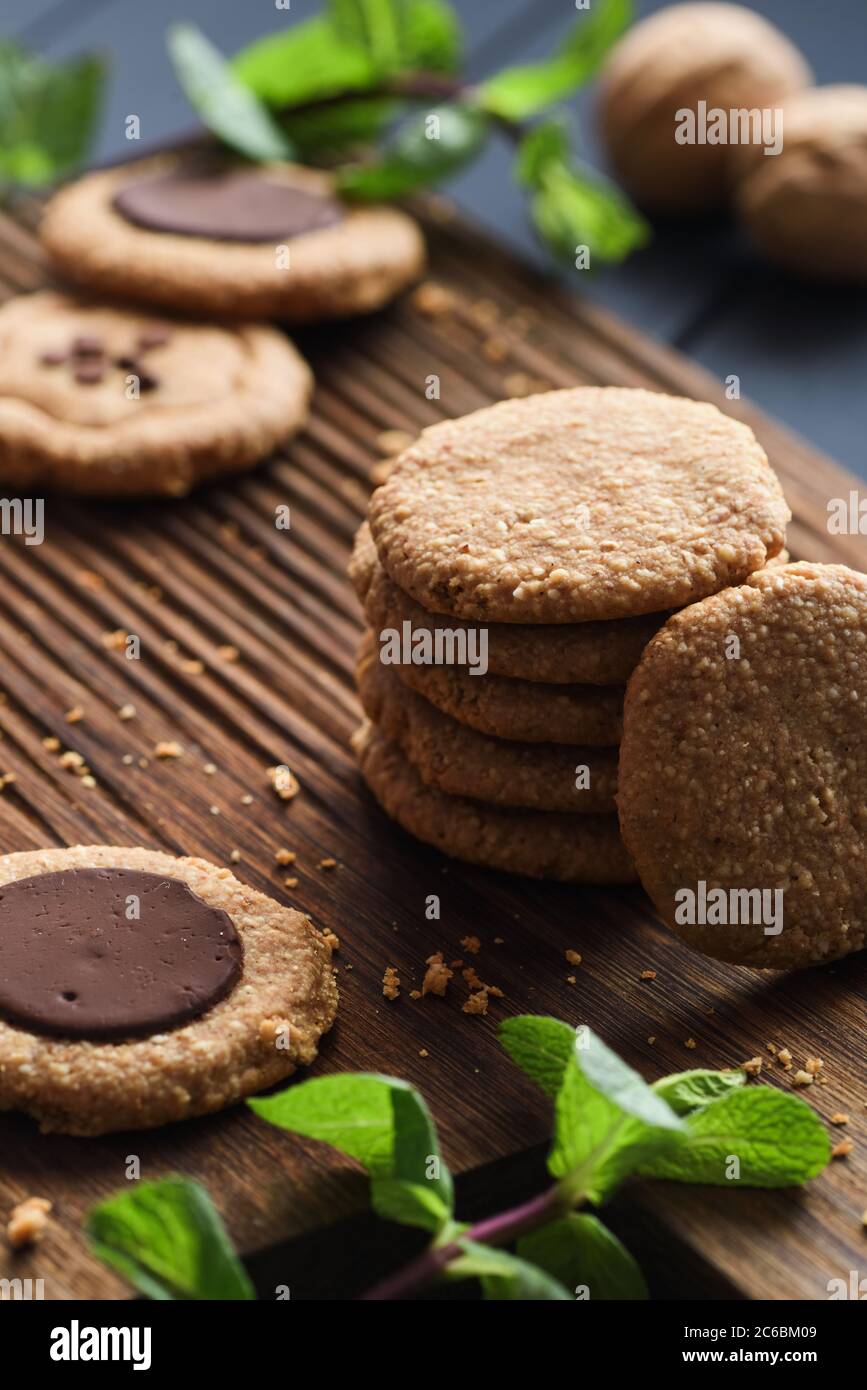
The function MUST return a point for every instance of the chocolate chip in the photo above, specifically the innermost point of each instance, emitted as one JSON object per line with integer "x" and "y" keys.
{"x": 153, "y": 337}
{"x": 89, "y": 373}
{"x": 147, "y": 383}
{"x": 87, "y": 345}
{"x": 129, "y": 364}
{"x": 53, "y": 358}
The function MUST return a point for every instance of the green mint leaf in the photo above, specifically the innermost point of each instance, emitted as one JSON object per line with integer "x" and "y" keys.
{"x": 519, "y": 92}
{"x": 571, "y": 208}
{"x": 167, "y": 1239}
{"x": 541, "y": 1046}
{"x": 427, "y": 148}
{"x": 48, "y": 114}
{"x": 580, "y": 1253}
{"x": 607, "y": 1122}
{"x": 431, "y": 40}
{"x": 504, "y": 1276}
{"x": 688, "y": 1090}
{"x": 777, "y": 1140}
{"x": 303, "y": 64}
{"x": 420, "y": 35}
{"x": 372, "y": 25}
{"x": 382, "y": 1122}
{"x": 338, "y": 127}
{"x": 546, "y": 144}
{"x": 226, "y": 106}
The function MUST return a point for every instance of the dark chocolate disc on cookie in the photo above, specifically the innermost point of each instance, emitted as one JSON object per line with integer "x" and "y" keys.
{"x": 238, "y": 205}
{"x": 111, "y": 953}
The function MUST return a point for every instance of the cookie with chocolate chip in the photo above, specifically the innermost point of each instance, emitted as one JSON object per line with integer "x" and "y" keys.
{"x": 100, "y": 399}
{"x": 215, "y": 238}
{"x": 137, "y": 988}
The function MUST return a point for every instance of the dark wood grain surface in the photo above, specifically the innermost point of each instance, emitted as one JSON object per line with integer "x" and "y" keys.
{"x": 189, "y": 577}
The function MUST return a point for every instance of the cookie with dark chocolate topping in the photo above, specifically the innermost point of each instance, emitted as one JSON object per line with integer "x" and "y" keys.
{"x": 229, "y": 241}
{"x": 138, "y": 988}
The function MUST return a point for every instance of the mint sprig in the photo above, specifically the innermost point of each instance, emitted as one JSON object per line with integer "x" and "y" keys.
{"x": 609, "y": 1125}
{"x": 373, "y": 87}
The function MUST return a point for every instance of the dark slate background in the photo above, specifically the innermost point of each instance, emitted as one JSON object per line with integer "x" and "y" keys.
{"x": 799, "y": 350}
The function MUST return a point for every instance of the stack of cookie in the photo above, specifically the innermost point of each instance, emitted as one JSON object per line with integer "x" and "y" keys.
{"x": 515, "y": 565}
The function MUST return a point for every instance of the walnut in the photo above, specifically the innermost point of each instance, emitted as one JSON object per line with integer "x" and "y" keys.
{"x": 723, "y": 55}
{"x": 807, "y": 207}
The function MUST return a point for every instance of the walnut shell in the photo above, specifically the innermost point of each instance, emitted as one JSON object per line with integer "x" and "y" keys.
{"x": 724, "y": 55}
{"x": 807, "y": 206}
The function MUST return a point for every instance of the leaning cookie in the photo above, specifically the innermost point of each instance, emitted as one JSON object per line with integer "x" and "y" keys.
{"x": 106, "y": 400}
{"x": 743, "y": 767}
{"x": 138, "y": 988}
{"x": 231, "y": 241}
{"x": 537, "y": 844}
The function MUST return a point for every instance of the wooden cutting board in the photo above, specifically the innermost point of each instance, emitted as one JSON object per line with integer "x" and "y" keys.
{"x": 193, "y": 576}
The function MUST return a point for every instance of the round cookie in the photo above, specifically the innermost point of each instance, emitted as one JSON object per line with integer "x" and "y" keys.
{"x": 105, "y": 400}
{"x": 537, "y": 844}
{"x": 582, "y": 653}
{"x": 230, "y": 241}
{"x": 520, "y": 710}
{"x": 590, "y": 503}
{"x": 461, "y": 762}
{"x": 169, "y": 989}
{"x": 743, "y": 767}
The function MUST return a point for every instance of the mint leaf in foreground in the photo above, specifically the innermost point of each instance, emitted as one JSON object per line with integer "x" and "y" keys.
{"x": 384, "y": 1124}
{"x": 426, "y": 149}
{"x": 167, "y": 1239}
{"x": 579, "y": 1252}
{"x": 777, "y": 1140}
{"x": 688, "y": 1090}
{"x": 541, "y": 1046}
{"x": 519, "y": 92}
{"x": 400, "y": 34}
{"x": 226, "y": 106}
{"x": 607, "y": 1122}
{"x": 504, "y": 1276}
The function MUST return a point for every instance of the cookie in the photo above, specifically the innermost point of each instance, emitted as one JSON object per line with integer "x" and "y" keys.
{"x": 230, "y": 241}
{"x": 537, "y": 844}
{"x": 743, "y": 768}
{"x": 512, "y": 709}
{"x": 139, "y": 989}
{"x": 461, "y": 762}
{"x": 106, "y": 400}
{"x": 582, "y": 653}
{"x": 585, "y": 504}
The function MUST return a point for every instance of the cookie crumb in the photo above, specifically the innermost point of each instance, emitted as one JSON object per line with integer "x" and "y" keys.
{"x": 235, "y": 856}
{"x": 647, "y": 975}
{"x": 228, "y": 653}
{"x": 573, "y": 957}
{"x": 476, "y": 1003}
{"x": 423, "y": 1052}
{"x": 691, "y": 1044}
{"x": 328, "y": 863}
{"x": 290, "y": 883}
{"x": 432, "y": 300}
{"x": 285, "y": 856}
{"x": 802, "y": 1078}
{"x": 51, "y": 744}
{"x": 471, "y": 944}
{"x": 114, "y": 641}
{"x": 436, "y": 976}
{"x": 126, "y": 712}
{"x": 843, "y": 1149}
{"x": 332, "y": 938}
{"x": 784, "y": 1057}
{"x": 839, "y": 1118}
{"x": 752, "y": 1066}
{"x": 284, "y": 782}
{"x": 74, "y": 715}
{"x": 209, "y": 769}
{"x": 813, "y": 1065}
{"x": 394, "y": 441}
{"x": 571, "y": 979}
{"x": 89, "y": 579}
{"x": 168, "y": 749}
{"x": 28, "y": 1222}
{"x": 391, "y": 983}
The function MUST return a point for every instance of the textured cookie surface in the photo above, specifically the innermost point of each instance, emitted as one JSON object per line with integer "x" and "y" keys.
{"x": 512, "y": 709}
{"x": 269, "y": 1023}
{"x": 351, "y": 267}
{"x": 98, "y": 399}
{"x": 584, "y": 653}
{"x": 744, "y": 766}
{"x": 538, "y": 844}
{"x": 590, "y": 503}
{"x": 462, "y": 762}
